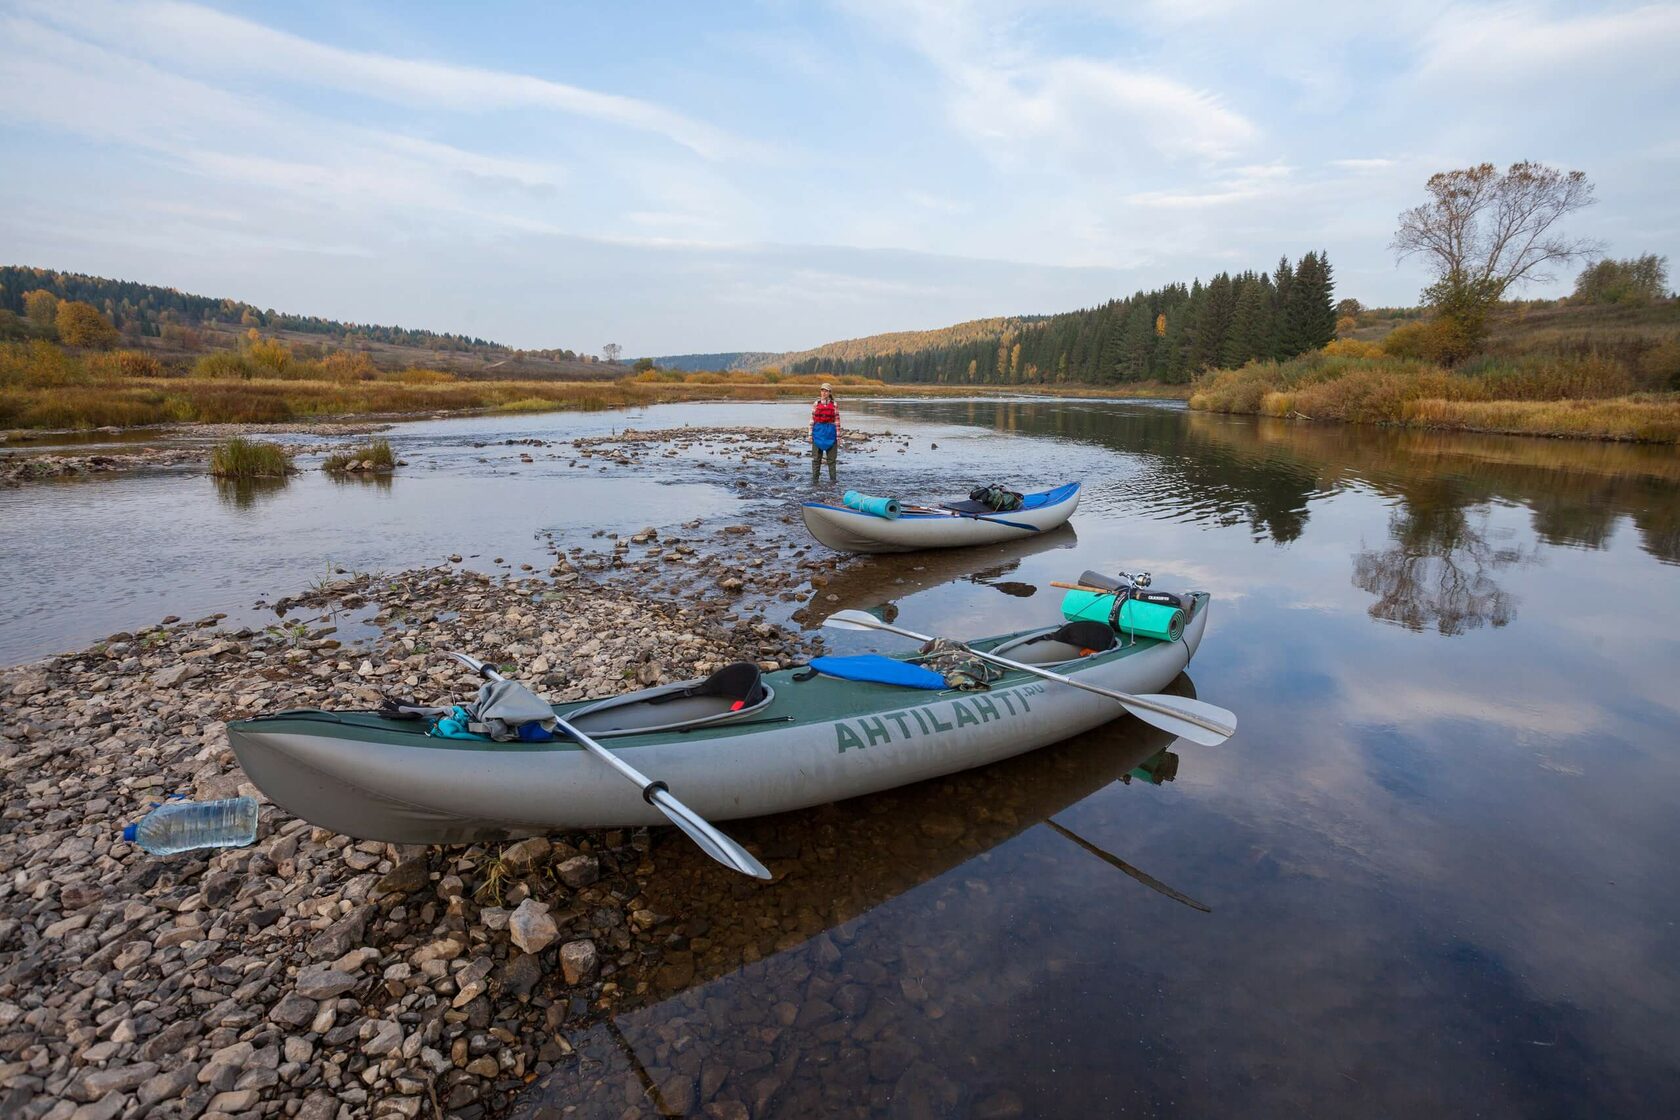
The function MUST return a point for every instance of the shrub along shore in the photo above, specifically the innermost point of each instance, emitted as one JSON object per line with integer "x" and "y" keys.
{"x": 1588, "y": 373}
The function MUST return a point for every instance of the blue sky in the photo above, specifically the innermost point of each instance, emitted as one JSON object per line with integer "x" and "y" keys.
{"x": 688, "y": 177}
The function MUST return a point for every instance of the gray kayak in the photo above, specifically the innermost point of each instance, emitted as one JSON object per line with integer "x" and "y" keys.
{"x": 771, "y": 744}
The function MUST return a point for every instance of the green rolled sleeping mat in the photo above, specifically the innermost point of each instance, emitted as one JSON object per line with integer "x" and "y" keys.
{"x": 863, "y": 503}
{"x": 1146, "y": 620}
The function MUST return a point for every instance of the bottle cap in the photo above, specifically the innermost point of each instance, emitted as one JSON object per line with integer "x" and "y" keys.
{"x": 131, "y": 832}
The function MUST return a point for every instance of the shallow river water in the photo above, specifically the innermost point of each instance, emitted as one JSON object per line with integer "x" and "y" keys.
{"x": 1431, "y": 874}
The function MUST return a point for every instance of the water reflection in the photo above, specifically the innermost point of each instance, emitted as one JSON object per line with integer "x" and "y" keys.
{"x": 876, "y": 581}
{"x": 1437, "y": 572}
{"x": 824, "y": 993}
{"x": 378, "y": 482}
{"x": 248, "y": 493}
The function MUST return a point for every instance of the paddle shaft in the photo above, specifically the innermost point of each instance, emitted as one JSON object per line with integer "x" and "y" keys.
{"x": 1123, "y": 697}
{"x": 655, "y": 793}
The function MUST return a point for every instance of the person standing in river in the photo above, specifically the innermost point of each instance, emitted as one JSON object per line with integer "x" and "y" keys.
{"x": 825, "y": 435}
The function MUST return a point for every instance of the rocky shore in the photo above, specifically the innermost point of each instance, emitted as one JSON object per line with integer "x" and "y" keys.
{"x": 18, "y": 464}
{"x": 312, "y": 975}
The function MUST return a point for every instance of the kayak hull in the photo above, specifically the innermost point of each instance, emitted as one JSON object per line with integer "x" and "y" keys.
{"x": 818, "y": 741}
{"x": 849, "y": 530}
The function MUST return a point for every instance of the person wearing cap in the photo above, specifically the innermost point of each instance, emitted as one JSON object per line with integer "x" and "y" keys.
{"x": 824, "y": 434}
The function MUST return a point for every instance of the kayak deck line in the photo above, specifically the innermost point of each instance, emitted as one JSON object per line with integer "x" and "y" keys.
{"x": 792, "y": 705}
{"x": 817, "y": 741}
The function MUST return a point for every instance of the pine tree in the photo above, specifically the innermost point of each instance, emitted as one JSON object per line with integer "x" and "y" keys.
{"x": 1283, "y": 291}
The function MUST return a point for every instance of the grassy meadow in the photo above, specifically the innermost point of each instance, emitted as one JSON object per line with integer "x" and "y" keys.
{"x": 1602, "y": 372}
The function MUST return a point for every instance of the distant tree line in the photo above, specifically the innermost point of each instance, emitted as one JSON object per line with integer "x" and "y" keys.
{"x": 1640, "y": 280}
{"x": 148, "y": 311}
{"x": 1168, "y": 335}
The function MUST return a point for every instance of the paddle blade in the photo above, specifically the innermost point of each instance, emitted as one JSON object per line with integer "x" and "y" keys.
{"x": 474, "y": 664}
{"x": 708, "y": 838}
{"x": 853, "y": 620}
{"x": 1185, "y": 717}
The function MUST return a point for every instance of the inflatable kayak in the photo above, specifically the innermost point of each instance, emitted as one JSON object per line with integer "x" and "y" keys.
{"x": 949, "y": 525}
{"x": 739, "y": 744}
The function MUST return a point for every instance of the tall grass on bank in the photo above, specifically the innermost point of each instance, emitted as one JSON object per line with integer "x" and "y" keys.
{"x": 1532, "y": 395}
{"x": 240, "y": 458}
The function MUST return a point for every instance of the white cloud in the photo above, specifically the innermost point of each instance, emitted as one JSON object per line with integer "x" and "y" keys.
{"x": 1490, "y": 45}
{"x": 212, "y": 40}
{"x": 1023, "y": 102}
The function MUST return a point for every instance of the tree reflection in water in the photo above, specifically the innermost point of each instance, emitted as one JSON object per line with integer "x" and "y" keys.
{"x": 1437, "y": 573}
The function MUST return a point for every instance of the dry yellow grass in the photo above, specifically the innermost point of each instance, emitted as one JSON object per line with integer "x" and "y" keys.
{"x": 1587, "y": 396}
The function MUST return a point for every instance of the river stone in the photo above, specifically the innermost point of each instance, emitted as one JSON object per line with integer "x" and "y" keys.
{"x": 387, "y": 1036}
{"x": 579, "y": 961}
{"x": 532, "y": 849}
{"x": 405, "y": 878}
{"x": 320, "y": 984}
{"x": 117, "y": 1079}
{"x": 294, "y": 1010}
{"x": 580, "y": 871}
{"x": 336, "y": 939}
{"x": 531, "y": 928}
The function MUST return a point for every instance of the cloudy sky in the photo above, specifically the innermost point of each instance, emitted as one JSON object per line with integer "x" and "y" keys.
{"x": 695, "y": 177}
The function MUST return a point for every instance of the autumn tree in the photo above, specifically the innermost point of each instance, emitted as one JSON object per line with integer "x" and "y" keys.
{"x": 1483, "y": 233}
{"x": 80, "y": 325}
{"x": 611, "y": 351}
{"x": 41, "y": 308}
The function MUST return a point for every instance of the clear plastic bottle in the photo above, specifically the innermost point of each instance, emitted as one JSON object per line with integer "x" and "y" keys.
{"x": 181, "y": 826}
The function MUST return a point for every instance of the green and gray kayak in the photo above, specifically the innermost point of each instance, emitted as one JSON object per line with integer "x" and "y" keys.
{"x": 740, "y": 744}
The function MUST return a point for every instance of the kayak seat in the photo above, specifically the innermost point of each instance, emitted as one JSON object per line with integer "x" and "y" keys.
{"x": 1068, "y": 642}
{"x": 731, "y": 691}
{"x": 740, "y": 683}
{"x": 1098, "y": 637}
{"x": 967, "y": 507}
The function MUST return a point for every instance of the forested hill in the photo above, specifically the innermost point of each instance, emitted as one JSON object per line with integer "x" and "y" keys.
{"x": 731, "y": 360}
{"x": 1163, "y": 335}
{"x": 148, "y": 311}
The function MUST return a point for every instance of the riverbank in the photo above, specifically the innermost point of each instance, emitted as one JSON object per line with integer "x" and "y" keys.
{"x": 311, "y": 972}
{"x": 1583, "y": 398}
{"x": 48, "y": 387}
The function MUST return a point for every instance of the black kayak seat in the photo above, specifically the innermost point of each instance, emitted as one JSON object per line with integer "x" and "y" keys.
{"x": 967, "y": 507}
{"x": 1083, "y": 634}
{"x": 739, "y": 682}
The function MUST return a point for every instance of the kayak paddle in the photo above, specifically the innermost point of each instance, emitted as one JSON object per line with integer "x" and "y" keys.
{"x": 694, "y": 826}
{"x": 1195, "y": 720}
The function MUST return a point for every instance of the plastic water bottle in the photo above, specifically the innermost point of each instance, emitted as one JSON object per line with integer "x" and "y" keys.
{"x": 181, "y": 826}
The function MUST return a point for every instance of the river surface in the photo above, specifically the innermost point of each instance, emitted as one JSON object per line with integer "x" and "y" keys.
{"x": 1433, "y": 873}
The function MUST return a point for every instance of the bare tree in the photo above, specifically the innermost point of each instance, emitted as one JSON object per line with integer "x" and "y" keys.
{"x": 1483, "y": 232}
{"x": 611, "y": 351}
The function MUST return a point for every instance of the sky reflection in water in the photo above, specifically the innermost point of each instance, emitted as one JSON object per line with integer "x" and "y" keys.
{"x": 1436, "y": 854}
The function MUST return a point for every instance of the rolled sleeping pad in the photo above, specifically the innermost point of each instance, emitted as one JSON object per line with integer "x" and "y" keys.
{"x": 1146, "y": 620}
{"x": 863, "y": 503}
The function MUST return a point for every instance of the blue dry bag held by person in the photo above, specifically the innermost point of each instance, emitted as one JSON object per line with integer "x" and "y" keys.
{"x": 825, "y": 435}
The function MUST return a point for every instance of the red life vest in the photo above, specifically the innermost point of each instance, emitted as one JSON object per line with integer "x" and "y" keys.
{"x": 825, "y": 412}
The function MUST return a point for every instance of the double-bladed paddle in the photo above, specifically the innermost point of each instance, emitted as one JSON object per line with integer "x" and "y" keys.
{"x": 1199, "y": 722}
{"x": 694, "y": 826}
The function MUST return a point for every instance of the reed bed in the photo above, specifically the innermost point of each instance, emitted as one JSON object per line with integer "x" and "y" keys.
{"x": 240, "y": 458}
